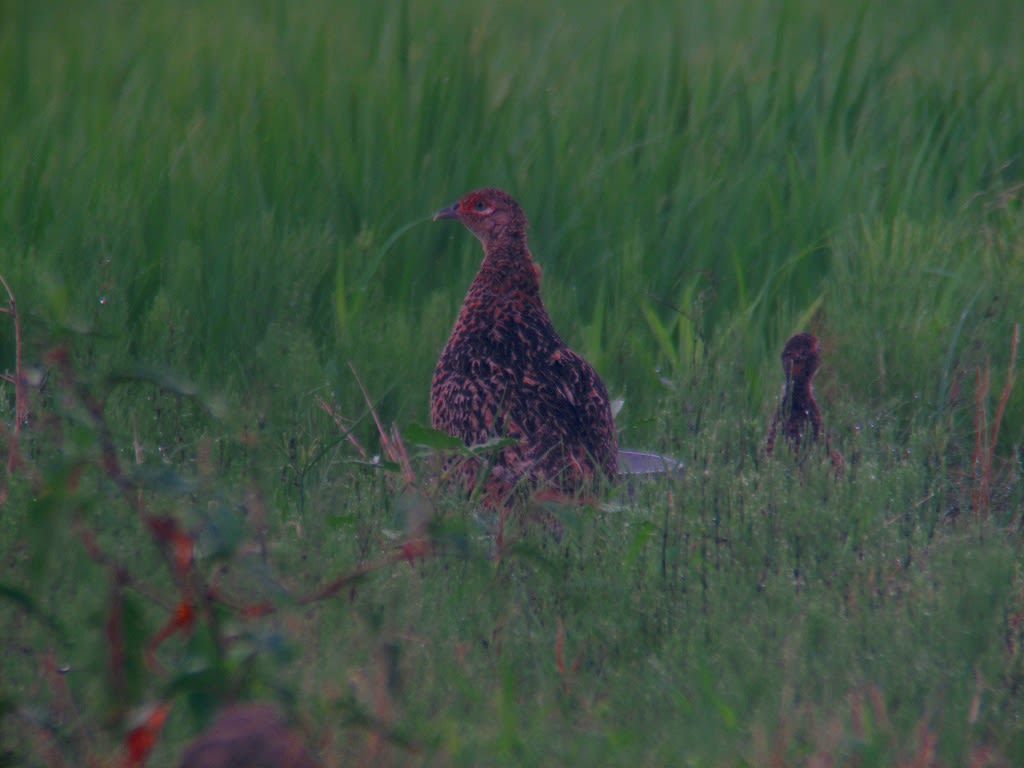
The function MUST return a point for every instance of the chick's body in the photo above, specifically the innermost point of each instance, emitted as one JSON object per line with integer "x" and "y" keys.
{"x": 505, "y": 371}
{"x": 797, "y": 414}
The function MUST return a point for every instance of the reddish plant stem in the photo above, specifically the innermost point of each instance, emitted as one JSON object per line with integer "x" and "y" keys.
{"x": 986, "y": 435}
{"x": 20, "y": 396}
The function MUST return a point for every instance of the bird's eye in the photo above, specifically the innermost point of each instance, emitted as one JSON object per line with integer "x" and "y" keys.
{"x": 480, "y": 205}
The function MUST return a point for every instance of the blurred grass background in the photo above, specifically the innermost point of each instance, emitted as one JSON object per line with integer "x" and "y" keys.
{"x": 240, "y": 192}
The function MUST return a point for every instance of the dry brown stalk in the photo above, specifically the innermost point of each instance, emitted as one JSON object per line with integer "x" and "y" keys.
{"x": 986, "y": 435}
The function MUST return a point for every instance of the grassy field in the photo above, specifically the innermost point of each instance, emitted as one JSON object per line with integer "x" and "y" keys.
{"x": 214, "y": 216}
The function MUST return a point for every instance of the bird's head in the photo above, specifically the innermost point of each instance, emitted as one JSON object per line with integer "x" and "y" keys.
{"x": 490, "y": 214}
{"x": 800, "y": 357}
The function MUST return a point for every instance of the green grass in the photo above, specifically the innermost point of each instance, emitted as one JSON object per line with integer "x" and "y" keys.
{"x": 240, "y": 193}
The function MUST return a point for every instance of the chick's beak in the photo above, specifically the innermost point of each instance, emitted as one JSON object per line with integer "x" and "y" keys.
{"x": 448, "y": 212}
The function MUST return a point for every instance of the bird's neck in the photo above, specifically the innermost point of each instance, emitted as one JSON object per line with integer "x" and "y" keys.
{"x": 508, "y": 267}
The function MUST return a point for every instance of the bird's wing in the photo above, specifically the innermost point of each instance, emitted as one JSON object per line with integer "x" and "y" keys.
{"x": 564, "y": 401}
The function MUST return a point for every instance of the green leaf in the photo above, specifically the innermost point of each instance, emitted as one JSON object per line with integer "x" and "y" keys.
{"x": 167, "y": 381}
{"x": 221, "y": 532}
{"x": 136, "y": 633}
{"x": 387, "y": 466}
{"x": 431, "y": 438}
{"x": 493, "y": 444}
{"x": 341, "y": 520}
{"x": 27, "y": 603}
{"x": 644, "y": 530}
{"x": 205, "y": 680}
{"x": 43, "y": 527}
{"x": 661, "y": 334}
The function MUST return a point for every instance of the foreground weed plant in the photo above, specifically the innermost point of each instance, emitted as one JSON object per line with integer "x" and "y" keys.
{"x": 173, "y": 560}
{"x": 771, "y": 611}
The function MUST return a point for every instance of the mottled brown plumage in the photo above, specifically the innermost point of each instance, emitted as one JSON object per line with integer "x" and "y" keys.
{"x": 797, "y": 413}
{"x": 506, "y": 372}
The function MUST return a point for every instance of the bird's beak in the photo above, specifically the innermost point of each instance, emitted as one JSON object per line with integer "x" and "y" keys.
{"x": 448, "y": 212}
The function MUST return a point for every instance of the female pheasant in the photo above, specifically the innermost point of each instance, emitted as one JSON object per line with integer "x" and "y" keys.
{"x": 505, "y": 372}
